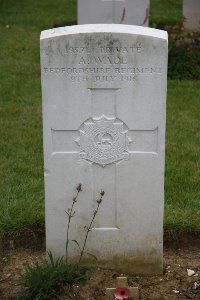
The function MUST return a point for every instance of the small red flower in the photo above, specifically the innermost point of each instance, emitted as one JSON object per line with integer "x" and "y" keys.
{"x": 122, "y": 293}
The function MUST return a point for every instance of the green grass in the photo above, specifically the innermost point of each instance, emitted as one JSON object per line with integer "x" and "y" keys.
{"x": 21, "y": 156}
{"x": 183, "y": 154}
{"x": 47, "y": 280}
{"x": 165, "y": 12}
{"x": 38, "y": 14}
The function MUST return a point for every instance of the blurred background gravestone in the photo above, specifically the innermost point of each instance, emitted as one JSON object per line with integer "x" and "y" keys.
{"x": 191, "y": 11}
{"x": 133, "y": 12}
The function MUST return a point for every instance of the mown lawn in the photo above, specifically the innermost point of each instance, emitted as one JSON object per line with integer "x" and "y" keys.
{"x": 182, "y": 188}
{"x": 21, "y": 157}
{"x": 165, "y": 12}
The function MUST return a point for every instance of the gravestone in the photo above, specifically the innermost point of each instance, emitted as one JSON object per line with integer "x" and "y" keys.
{"x": 104, "y": 94}
{"x": 133, "y": 12}
{"x": 191, "y": 11}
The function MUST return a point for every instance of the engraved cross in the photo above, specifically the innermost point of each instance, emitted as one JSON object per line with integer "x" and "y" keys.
{"x": 105, "y": 142}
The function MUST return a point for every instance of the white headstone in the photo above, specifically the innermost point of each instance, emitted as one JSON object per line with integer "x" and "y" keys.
{"x": 191, "y": 11}
{"x": 133, "y": 12}
{"x": 104, "y": 94}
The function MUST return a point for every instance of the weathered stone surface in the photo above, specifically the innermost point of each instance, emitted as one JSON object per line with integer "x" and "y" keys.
{"x": 191, "y": 11}
{"x": 132, "y": 12}
{"x": 104, "y": 94}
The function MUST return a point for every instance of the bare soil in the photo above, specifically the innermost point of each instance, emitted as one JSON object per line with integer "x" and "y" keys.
{"x": 175, "y": 283}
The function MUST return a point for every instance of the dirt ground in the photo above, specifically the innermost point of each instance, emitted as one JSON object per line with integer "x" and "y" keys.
{"x": 181, "y": 252}
{"x": 173, "y": 284}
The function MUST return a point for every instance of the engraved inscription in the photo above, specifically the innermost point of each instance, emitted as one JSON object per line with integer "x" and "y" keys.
{"x": 103, "y": 74}
{"x": 105, "y": 50}
{"x": 99, "y": 60}
{"x": 104, "y": 60}
{"x": 104, "y": 140}
{"x": 119, "y": 70}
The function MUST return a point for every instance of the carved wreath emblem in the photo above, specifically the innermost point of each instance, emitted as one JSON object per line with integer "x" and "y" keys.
{"x": 104, "y": 140}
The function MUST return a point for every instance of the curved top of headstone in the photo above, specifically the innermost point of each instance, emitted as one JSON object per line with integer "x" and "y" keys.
{"x": 112, "y": 28}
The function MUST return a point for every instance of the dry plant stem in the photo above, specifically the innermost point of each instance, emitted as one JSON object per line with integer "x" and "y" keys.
{"x": 90, "y": 226}
{"x": 71, "y": 214}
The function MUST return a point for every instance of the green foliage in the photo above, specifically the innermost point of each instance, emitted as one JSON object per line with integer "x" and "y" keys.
{"x": 46, "y": 281}
{"x": 184, "y": 45}
{"x": 184, "y": 58}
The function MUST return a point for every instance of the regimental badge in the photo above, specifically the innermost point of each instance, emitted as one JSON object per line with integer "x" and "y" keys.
{"x": 103, "y": 141}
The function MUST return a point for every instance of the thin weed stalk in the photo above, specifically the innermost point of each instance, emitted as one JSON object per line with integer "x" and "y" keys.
{"x": 71, "y": 214}
{"x": 90, "y": 225}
